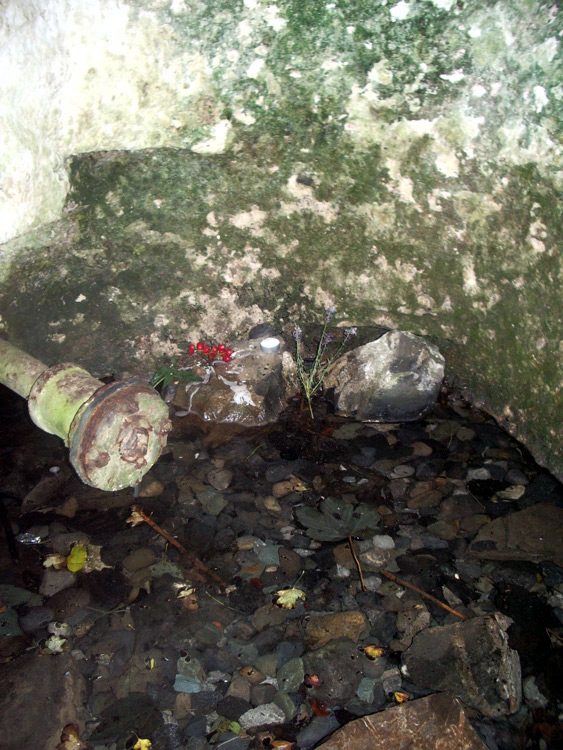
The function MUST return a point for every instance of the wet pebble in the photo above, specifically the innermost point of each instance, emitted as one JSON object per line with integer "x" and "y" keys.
{"x": 138, "y": 559}
{"x": 268, "y": 714}
{"x": 317, "y": 729}
{"x": 220, "y": 479}
{"x": 321, "y": 629}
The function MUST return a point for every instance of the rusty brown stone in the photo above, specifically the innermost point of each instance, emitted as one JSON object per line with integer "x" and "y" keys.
{"x": 320, "y": 630}
{"x": 437, "y": 722}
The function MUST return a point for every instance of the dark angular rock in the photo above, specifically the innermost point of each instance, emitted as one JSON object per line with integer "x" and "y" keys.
{"x": 39, "y": 696}
{"x": 262, "y": 693}
{"x": 339, "y": 667}
{"x": 196, "y": 727}
{"x": 232, "y": 707}
{"x": 470, "y": 659}
{"x": 316, "y": 730}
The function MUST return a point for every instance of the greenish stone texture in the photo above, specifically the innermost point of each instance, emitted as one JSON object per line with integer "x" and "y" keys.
{"x": 258, "y": 161}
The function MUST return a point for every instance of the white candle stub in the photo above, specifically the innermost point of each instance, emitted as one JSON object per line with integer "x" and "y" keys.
{"x": 270, "y": 345}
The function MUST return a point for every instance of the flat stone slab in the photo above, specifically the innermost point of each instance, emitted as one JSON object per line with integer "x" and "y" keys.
{"x": 40, "y": 696}
{"x": 533, "y": 534}
{"x": 471, "y": 660}
{"x": 437, "y": 721}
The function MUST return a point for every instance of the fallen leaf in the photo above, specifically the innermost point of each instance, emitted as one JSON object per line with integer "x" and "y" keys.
{"x": 77, "y": 557}
{"x": 373, "y": 652}
{"x": 401, "y": 697}
{"x": 135, "y": 518}
{"x": 289, "y": 598}
{"x": 185, "y": 592}
{"x": 142, "y": 744}
{"x": 62, "y": 629}
{"x": 312, "y": 680}
{"x": 94, "y": 559}
{"x": 70, "y": 739}
{"x": 318, "y": 708}
{"x": 337, "y": 519}
{"x": 55, "y": 561}
{"x": 55, "y": 644}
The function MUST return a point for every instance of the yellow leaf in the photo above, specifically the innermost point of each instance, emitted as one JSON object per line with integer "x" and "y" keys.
{"x": 77, "y": 558}
{"x": 185, "y": 592}
{"x": 401, "y": 697}
{"x": 289, "y": 598}
{"x": 70, "y": 739}
{"x": 55, "y": 644}
{"x": 135, "y": 518}
{"x": 373, "y": 652}
{"x": 142, "y": 744}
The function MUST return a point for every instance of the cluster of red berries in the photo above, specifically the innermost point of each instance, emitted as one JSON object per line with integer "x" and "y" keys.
{"x": 212, "y": 352}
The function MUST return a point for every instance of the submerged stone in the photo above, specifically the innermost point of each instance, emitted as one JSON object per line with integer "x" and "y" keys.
{"x": 470, "y": 659}
{"x": 533, "y": 534}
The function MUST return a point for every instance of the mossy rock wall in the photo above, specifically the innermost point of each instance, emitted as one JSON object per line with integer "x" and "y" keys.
{"x": 197, "y": 168}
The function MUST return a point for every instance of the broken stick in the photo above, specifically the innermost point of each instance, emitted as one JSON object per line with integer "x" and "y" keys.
{"x": 175, "y": 543}
{"x": 408, "y": 585}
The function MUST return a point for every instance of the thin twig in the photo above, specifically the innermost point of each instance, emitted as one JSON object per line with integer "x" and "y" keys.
{"x": 476, "y": 499}
{"x": 357, "y": 561}
{"x": 408, "y": 585}
{"x": 175, "y": 543}
{"x": 253, "y": 451}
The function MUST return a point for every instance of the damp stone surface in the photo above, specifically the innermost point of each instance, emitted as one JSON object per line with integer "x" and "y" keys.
{"x": 173, "y": 169}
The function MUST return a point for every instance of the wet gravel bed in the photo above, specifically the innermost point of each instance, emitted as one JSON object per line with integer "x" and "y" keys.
{"x": 295, "y": 622}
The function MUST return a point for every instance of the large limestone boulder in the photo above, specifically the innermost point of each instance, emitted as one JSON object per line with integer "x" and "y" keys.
{"x": 396, "y": 378}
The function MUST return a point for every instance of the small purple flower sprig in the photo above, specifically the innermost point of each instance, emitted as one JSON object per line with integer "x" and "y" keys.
{"x": 312, "y": 379}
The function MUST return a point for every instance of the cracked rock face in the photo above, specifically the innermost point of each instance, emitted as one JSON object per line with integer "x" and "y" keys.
{"x": 396, "y": 378}
{"x": 471, "y": 660}
{"x": 437, "y": 721}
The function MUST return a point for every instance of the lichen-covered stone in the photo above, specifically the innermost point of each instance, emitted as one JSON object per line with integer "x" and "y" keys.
{"x": 225, "y": 163}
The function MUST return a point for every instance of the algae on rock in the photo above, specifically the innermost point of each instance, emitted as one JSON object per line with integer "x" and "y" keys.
{"x": 229, "y": 163}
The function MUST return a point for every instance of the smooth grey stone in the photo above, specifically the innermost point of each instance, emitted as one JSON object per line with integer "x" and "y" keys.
{"x": 316, "y": 730}
{"x": 515, "y": 476}
{"x": 262, "y": 693}
{"x": 268, "y": 714}
{"x": 36, "y": 618}
{"x": 279, "y": 471}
